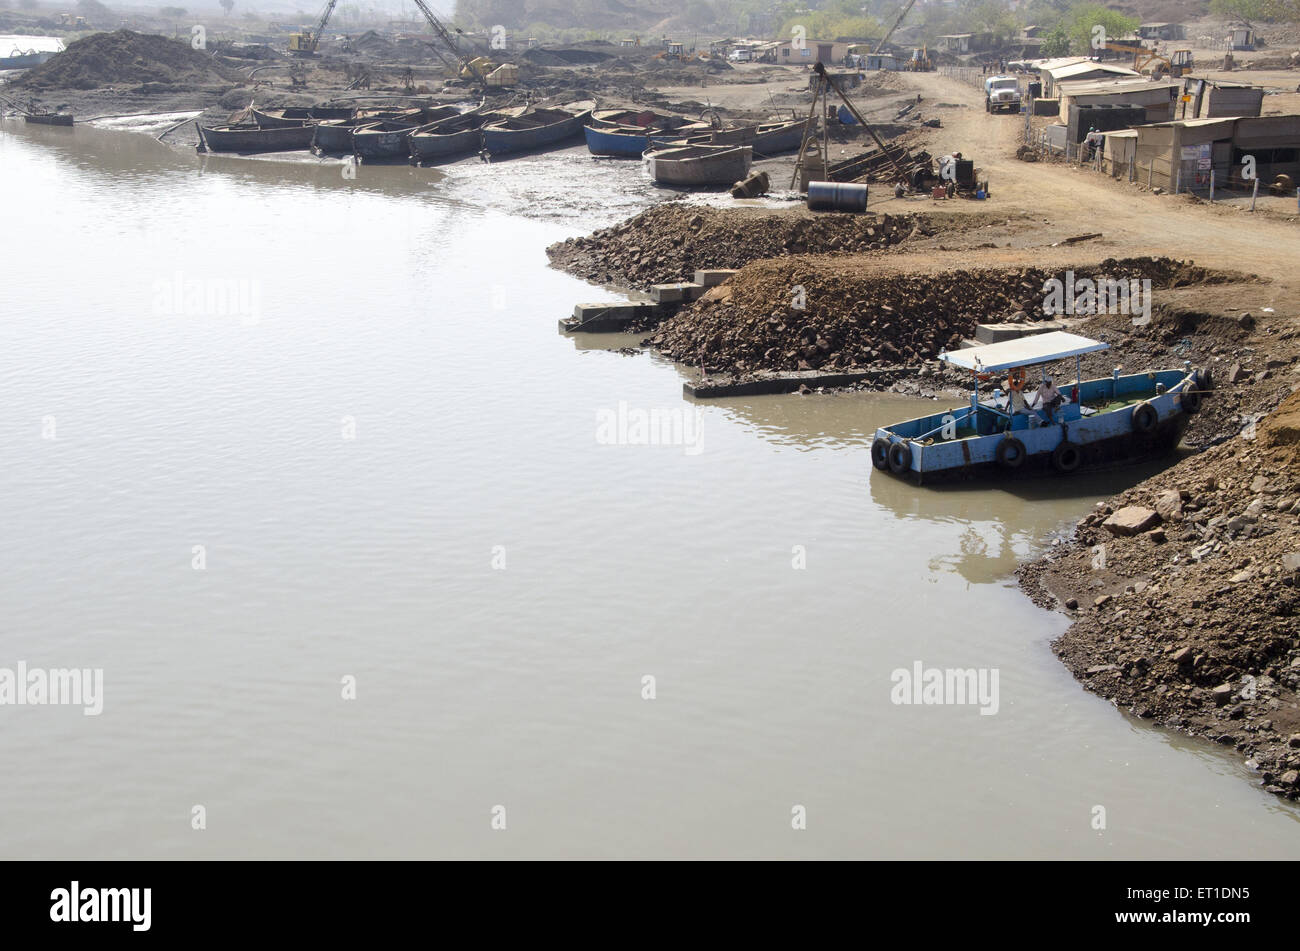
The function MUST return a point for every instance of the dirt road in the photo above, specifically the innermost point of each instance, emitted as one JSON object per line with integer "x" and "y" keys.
{"x": 1132, "y": 220}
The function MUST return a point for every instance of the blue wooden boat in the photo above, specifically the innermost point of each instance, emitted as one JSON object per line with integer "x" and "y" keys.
{"x": 536, "y": 129}
{"x": 1107, "y": 420}
{"x": 624, "y": 133}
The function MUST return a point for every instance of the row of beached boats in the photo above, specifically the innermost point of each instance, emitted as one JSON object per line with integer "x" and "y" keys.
{"x": 677, "y": 150}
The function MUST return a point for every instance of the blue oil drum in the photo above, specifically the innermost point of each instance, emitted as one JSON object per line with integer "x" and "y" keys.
{"x": 834, "y": 196}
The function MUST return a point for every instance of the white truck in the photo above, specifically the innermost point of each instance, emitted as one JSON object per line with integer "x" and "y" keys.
{"x": 1002, "y": 94}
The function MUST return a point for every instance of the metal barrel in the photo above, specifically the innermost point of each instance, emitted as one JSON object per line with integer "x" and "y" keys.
{"x": 834, "y": 196}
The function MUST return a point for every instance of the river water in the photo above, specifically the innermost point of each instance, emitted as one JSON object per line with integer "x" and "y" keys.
{"x": 273, "y": 436}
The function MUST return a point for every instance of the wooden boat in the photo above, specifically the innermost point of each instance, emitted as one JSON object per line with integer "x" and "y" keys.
{"x": 693, "y": 165}
{"x": 1100, "y": 421}
{"x": 536, "y": 129}
{"x": 766, "y": 138}
{"x": 335, "y": 135}
{"x": 249, "y": 138}
{"x": 293, "y": 116}
{"x": 387, "y": 137}
{"x": 623, "y": 133}
{"x": 49, "y": 118}
{"x": 452, "y": 138}
{"x": 26, "y": 59}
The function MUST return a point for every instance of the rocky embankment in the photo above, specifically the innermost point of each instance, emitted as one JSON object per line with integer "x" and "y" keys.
{"x": 1185, "y": 594}
{"x": 814, "y": 313}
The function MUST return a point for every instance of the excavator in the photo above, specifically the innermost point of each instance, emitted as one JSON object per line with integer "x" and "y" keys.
{"x": 480, "y": 69}
{"x": 305, "y": 43}
{"x": 1145, "y": 58}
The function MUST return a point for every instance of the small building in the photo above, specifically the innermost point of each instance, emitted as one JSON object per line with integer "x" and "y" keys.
{"x": 1241, "y": 38}
{"x": 1031, "y": 32}
{"x": 1180, "y": 155}
{"x": 1216, "y": 99}
{"x": 626, "y": 42}
{"x": 1079, "y": 72}
{"x": 1162, "y": 31}
{"x": 1159, "y": 100}
{"x": 964, "y": 42}
{"x": 826, "y": 52}
{"x": 886, "y": 61}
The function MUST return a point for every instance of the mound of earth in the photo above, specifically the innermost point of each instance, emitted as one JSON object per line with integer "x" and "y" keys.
{"x": 813, "y": 313}
{"x": 126, "y": 57}
{"x": 1186, "y": 596}
{"x": 670, "y": 241}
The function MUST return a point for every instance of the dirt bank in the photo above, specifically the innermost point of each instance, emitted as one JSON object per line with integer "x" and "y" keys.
{"x": 670, "y": 241}
{"x": 1186, "y": 596}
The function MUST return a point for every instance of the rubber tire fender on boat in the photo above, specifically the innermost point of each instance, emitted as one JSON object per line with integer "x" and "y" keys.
{"x": 1145, "y": 418}
{"x": 880, "y": 453}
{"x": 1067, "y": 456}
{"x": 1005, "y": 456}
{"x": 1191, "y": 399}
{"x": 900, "y": 458}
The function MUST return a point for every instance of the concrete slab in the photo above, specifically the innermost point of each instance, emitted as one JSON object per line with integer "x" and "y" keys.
{"x": 712, "y": 278}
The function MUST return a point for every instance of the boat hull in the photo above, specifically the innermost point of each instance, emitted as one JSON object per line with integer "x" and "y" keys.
{"x": 502, "y": 139}
{"x": 50, "y": 119}
{"x": 1102, "y": 439}
{"x": 252, "y": 140}
{"x": 616, "y": 143}
{"x": 27, "y": 60}
{"x": 289, "y": 118}
{"x": 699, "y": 166}
{"x": 381, "y": 143}
{"x": 435, "y": 147}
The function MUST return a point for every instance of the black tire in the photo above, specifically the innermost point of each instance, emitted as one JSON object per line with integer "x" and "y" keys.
{"x": 1204, "y": 379}
{"x": 900, "y": 458}
{"x": 880, "y": 453}
{"x": 1067, "y": 457}
{"x": 1191, "y": 399}
{"x": 1011, "y": 453}
{"x": 1145, "y": 418}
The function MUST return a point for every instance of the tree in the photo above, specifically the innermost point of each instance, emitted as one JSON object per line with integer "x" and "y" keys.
{"x": 1247, "y": 10}
{"x": 227, "y": 5}
{"x": 172, "y": 11}
{"x": 1056, "y": 42}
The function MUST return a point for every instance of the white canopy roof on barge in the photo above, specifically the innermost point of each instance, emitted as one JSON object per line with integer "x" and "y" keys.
{"x": 1023, "y": 352}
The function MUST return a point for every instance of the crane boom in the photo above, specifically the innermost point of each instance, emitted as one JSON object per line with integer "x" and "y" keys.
{"x": 890, "y": 32}
{"x": 324, "y": 18}
{"x": 445, "y": 36}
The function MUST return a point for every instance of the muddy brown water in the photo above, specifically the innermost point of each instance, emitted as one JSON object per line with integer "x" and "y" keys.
{"x": 398, "y": 472}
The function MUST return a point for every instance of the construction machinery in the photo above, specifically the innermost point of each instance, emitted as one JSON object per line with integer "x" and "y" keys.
{"x": 880, "y": 47}
{"x": 920, "y": 61}
{"x": 305, "y": 43}
{"x": 479, "y": 69}
{"x": 1145, "y": 58}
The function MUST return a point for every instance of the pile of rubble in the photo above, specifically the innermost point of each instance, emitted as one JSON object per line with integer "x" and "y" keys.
{"x": 155, "y": 63}
{"x": 1186, "y": 596}
{"x": 671, "y": 241}
{"x": 824, "y": 313}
